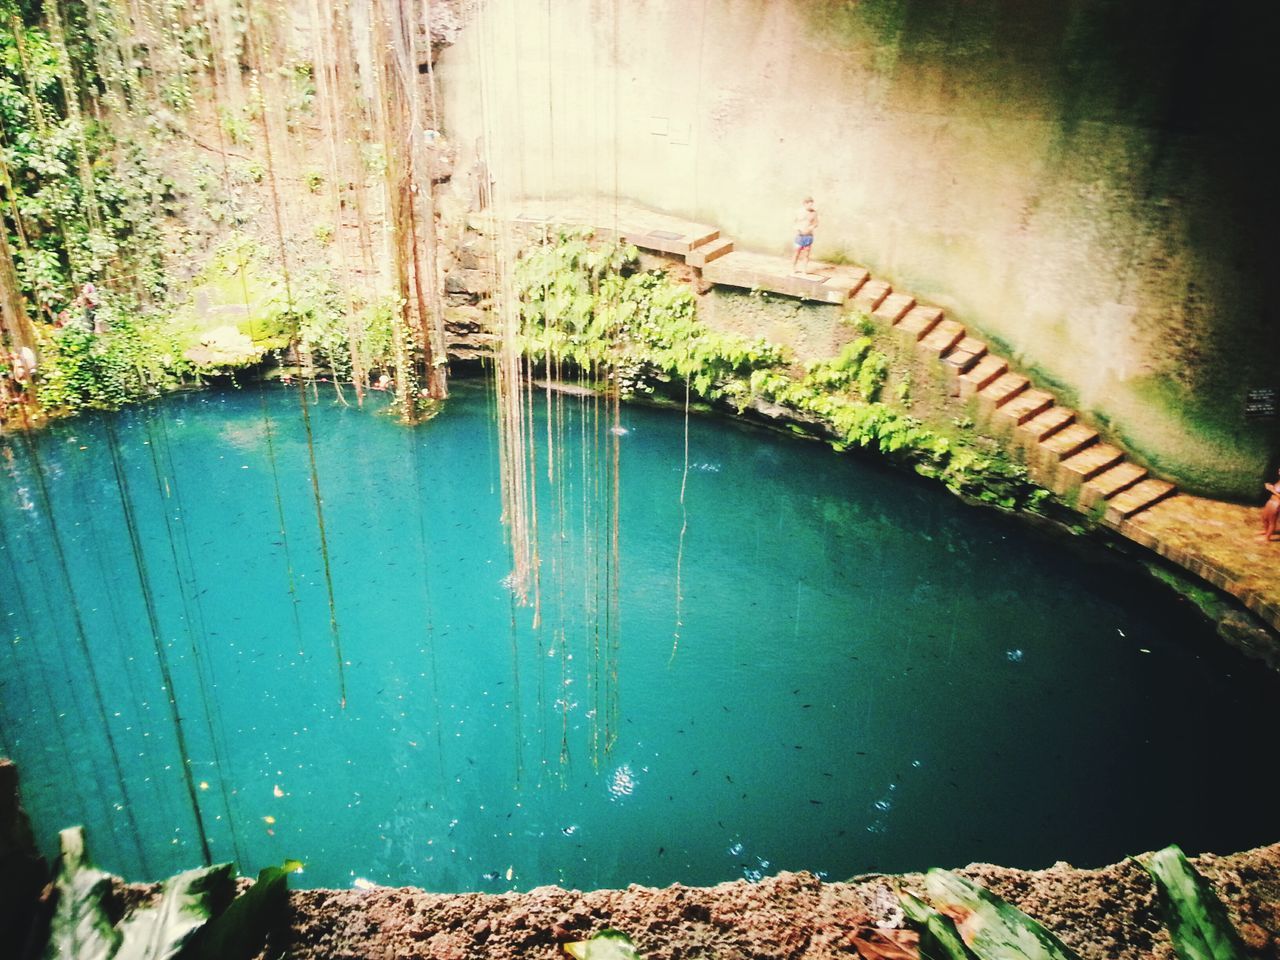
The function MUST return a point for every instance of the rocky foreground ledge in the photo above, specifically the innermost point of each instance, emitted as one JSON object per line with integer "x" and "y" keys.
{"x": 1105, "y": 914}
{"x": 1108, "y": 913}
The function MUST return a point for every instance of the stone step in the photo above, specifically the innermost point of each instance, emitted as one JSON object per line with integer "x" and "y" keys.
{"x": 856, "y": 278}
{"x": 965, "y": 355}
{"x": 701, "y": 256}
{"x": 1044, "y": 425}
{"x": 1138, "y": 498}
{"x": 755, "y": 271}
{"x": 1064, "y": 443}
{"x": 941, "y": 338}
{"x": 917, "y": 323}
{"x": 894, "y": 307}
{"x": 1079, "y": 468}
{"x": 984, "y": 372}
{"x": 670, "y": 241}
{"x": 1000, "y": 391}
{"x": 870, "y": 295}
{"x": 1110, "y": 482}
{"x": 1024, "y": 407}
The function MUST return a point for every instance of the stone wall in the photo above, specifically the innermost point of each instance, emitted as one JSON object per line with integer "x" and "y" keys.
{"x": 1081, "y": 183}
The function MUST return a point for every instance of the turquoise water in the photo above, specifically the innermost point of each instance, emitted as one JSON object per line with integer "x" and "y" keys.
{"x": 868, "y": 676}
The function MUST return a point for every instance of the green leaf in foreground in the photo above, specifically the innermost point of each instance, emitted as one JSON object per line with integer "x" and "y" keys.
{"x": 240, "y": 930}
{"x": 187, "y": 900}
{"x": 939, "y": 938}
{"x": 80, "y": 928}
{"x": 992, "y": 928}
{"x": 605, "y": 945}
{"x": 1197, "y": 921}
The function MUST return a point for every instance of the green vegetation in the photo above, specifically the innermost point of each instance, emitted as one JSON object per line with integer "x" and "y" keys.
{"x": 608, "y": 944}
{"x": 992, "y": 929}
{"x": 1195, "y": 917}
{"x": 189, "y": 920}
{"x": 963, "y": 921}
{"x": 589, "y": 305}
{"x": 135, "y": 360}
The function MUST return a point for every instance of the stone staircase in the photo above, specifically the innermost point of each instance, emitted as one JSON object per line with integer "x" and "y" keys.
{"x": 1063, "y": 454}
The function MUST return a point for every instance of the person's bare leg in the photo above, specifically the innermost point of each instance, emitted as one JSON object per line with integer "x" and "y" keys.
{"x": 1269, "y": 515}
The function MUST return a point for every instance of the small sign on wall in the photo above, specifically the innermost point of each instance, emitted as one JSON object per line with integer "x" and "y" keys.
{"x": 1260, "y": 403}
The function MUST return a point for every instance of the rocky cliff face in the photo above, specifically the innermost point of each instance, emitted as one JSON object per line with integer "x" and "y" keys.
{"x": 1082, "y": 184}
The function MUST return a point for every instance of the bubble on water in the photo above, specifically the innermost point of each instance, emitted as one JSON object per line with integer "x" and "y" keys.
{"x": 1013, "y": 656}
{"x": 916, "y": 764}
{"x": 882, "y": 805}
{"x": 735, "y": 850}
{"x": 570, "y": 830}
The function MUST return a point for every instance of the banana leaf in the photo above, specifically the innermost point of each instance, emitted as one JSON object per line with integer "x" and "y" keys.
{"x": 606, "y": 945}
{"x": 187, "y": 900}
{"x": 1196, "y": 919}
{"x": 239, "y": 931}
{"x": 80, "y": 928}
{"x": 991, "y": 928}
{"x": 939, "y": 938}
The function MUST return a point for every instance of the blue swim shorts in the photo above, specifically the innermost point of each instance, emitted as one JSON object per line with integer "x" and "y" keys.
{"x": 804, "y": 240}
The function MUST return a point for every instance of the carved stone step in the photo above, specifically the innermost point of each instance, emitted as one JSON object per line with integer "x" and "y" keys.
{"x": 1023, "y": 407}
{"x": 917, "y": 323}
{"x": 1044, "y": 425}
{"x": 965, "y": 355}
{"x": 1075, "y": 470}
{"x": 1065, "y": 443}
{"x": 701, "y": 256}
{"x": 894, "y": 307}
{"x": 1109, "y": 483}
{"x": 1138, "y": 498}
{"x": 1000, "y": 391}
{"x": 986, "y": 370}
{"x": 870, "y": 295}
{"x": 941, "y": 338}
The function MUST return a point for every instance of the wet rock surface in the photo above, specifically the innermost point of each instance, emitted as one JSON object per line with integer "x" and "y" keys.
{"x": 1105, "y": 913}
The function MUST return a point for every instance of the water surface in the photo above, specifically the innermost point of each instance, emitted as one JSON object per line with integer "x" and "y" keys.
{"x": 867, "y": 676}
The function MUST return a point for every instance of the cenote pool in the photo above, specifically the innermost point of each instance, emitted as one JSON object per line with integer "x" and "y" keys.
{"x": 868, "y": 676}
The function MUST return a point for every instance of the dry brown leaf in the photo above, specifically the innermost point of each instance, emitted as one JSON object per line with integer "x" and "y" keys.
{"x": 886, "y": 944}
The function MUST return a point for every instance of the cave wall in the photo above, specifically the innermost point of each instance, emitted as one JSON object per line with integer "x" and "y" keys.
{"x": 1081, "y": 181}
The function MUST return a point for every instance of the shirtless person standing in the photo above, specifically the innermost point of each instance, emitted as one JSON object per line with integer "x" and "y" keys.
{"x": 806, "y": 223}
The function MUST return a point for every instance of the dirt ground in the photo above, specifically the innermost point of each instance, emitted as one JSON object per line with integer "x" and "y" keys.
{"x": 1108, "y": 913}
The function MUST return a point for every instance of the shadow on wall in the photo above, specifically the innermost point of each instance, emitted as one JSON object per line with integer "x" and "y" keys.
{"x": 1083, "y": 183}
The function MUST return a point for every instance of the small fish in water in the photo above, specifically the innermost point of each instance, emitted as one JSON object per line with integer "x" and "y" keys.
{"x": 661, "y": 851}
{"x": 728, "y": 778}
{"x": 694, "y": 774}
{"x": 619, "y": 431}
{"x": 816, "y": 803}
{"x": 277, "y": 791}
{"x": 510, "y": 872}
{"x": 360, "y": 883}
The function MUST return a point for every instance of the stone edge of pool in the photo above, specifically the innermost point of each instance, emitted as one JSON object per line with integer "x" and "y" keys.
{"x": 1109, "y": 912}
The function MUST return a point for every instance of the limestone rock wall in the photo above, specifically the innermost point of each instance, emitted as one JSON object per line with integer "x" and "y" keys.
{"x": 1082, "y": 183}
